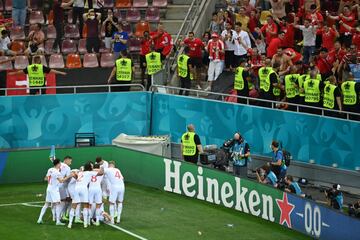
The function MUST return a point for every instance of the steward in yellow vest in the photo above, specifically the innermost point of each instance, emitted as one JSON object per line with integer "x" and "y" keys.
{"x": 190, "y": 145}
{"x": 123, "y": 70}
{"x": 264, "y": 73}
{"x": 185, "y": 71}
{"x": 332, "y": 95}
{"x": 350, "y": 94}
{"x": 153, "y": 62}
{"x": 242, "y": 81}
{"x": 37, "y": 75}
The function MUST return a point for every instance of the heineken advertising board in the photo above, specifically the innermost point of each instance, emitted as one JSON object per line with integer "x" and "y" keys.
{"x": 198, "y": 182}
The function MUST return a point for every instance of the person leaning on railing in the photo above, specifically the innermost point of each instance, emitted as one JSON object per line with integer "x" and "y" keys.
{"x": 36, "y": 75}
{"x": 332, "y": 96}
{"x": 350, "y": 95}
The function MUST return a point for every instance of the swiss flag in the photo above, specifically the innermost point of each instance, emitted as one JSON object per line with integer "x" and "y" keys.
{"x": 21, "y": 81}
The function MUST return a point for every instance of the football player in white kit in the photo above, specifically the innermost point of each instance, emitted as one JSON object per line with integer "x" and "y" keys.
{"x": 105, "y": 182}
{"x": 95, "y": 195}
{"x": 63, "y": 188}
{"x": 54, "y": 179}
{"x": 117, "y": 190}
{"x": 81, "y": 195}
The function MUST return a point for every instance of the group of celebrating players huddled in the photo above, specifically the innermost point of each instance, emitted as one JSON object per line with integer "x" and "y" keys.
{"x": 71, "y": 192}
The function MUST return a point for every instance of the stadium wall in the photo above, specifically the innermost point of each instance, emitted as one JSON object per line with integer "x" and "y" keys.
{"x": 41, "y": 121}
{"x": 327, "y": 141}
{"x": 194, "y": 181}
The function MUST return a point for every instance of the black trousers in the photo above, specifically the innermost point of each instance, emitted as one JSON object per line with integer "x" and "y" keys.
{"x": 266, "y": 96}
{"x": 78, "y": 14}
{"x": 121, "y": 88}
{"x": 59, "y": 34}
{"x": 34, "y": 91}
{"x": 92, "y": 44}
{"x": 185, "y": 83}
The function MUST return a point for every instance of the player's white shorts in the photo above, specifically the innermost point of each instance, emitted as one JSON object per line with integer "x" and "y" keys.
{"x": 71, "y": 191}
{"x": 104, "y": 188}
{"x": 117, "y": 193}
{"x": 81, "y": 195}
{"x": 52, "y": 196}
{"x": 95, "y": 195}
{"x": 63, "y": 192}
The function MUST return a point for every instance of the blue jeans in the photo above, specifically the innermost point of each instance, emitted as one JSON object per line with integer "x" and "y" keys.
{"x": 307, "y": 53}
{"x": 19, "y": 16}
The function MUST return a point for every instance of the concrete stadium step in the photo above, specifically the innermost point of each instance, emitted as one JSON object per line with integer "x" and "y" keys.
{"x": 182, "y": 2}
{"x": 176, "y": 12}
{"x": 172, "y": 26}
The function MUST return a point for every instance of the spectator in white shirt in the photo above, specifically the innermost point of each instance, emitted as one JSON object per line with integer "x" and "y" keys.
{"x": 242, "y": 43}
{"x": 5, "y": 43}
{"x": 309, "y": 39}
{"x": 228, "y": 36}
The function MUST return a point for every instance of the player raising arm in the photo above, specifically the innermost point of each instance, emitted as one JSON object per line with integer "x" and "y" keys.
{"x": 117, "y": 189}
{"x": 54, "y": 179}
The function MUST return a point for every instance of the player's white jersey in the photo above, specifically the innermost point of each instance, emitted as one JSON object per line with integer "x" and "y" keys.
{"x": 114, "y": 176}
{"x": 105, "y": 164}
{"x": 64, "y": 171}
{"x": 95, "y": 181}
{"x": 71, "y": 187}
{"x": 84, "y": 179}
{"x": 52, "y": 177}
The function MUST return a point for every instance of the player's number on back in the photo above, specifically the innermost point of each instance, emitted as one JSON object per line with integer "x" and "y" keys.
{"x": 117, "y": 174}
{"x": 93, "y": 179}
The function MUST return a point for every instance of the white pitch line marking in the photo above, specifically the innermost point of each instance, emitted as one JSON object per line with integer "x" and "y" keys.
{"x": 31, "y": 205}
{"x": 15, "y": 204}
{"x": 126, "y": 231}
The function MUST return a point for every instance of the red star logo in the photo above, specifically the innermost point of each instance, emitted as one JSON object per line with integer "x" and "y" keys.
{"x": 285, "y": 208}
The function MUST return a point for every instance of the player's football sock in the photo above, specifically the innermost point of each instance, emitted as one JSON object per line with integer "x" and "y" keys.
{"x": 62, "y": 205}
{"x": 71, "y": 216}
{"x": 42, "y": 212}
{"x": 98, "y": 214}
{"x": 53, "y": 211}
{"x": 119, "y": 211}
{"x": 58, "y": 209}
{"x": 112, "y": 212}
{"x": 77, "y": 211}
{"x": 86, "y": 216}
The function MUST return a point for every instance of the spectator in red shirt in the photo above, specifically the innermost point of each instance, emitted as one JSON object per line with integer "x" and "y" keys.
{"x": 314, "y": 15}
{"x": 328, "y": 36}
{"x": 253, "y": 21}
{"x": 216, "y": 52}
{"x": 274, "y": 45}
{"x": 196, "y": 46}
{"x": 145, "y": 47}
{"x": 270, "y": 29}
{"x": 348, "y": 18}
{"x": 162, "y": 41}
{"x": 355, "y": 31}
{"x": 337, "y": 53}
{"x": 293, "y": 55}
{"x": 288, "y": 29}
{"x": 323, "y": 64}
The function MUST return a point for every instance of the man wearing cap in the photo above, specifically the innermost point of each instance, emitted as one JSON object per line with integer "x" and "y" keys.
{"x": 335, "y": 197}
{"x": 216, "y": 51}
{"x": 241, "y": 82}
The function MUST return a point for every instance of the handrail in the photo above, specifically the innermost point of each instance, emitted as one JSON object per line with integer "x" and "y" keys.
{"x": 108, "y": 86}
{"x": 190, "y": 17}
{"x": 154, "y": 88}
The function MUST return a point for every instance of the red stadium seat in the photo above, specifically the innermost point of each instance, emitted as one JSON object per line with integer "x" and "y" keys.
{"x": 51, "y": 32}
{"x": 5, "y": 66}
{"x": 133, "y": 15}
{"x": 36, "y": 17}
{"x": 43, "y": 60}
{"x": 140, "y": 3}
{"x": 8, "y": 5}
{"x": 107, "y": 60}
{"x": 49, "y": 46}
{"x": 68, "y": 46}
{"x": 152, "y": 14}
{"x": 71, "y": 31}
{"x": 18, "y": 46}
{"x": 17, "y": 33}
{"x": 141, "y": 27}
{"x": 56, "y": 61}
{"x": 123, "y": 3}
{"x": 134, "y": 44}
{"x": 108, "y": 3}
{"x": 160, "y": 3}
{"x": 118, "y": 14}
{"x": 84, "y": 31}
{"x": 90, "y": 60}
{"x": 21, "y": 62}
{"x": 73, "y": 61}
{"x": 82, "y": 46}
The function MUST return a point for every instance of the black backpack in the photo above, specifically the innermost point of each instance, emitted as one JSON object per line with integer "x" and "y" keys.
{"x": 286, "y": 156}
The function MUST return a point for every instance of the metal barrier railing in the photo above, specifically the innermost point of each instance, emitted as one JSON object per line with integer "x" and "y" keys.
{"x": 76, "y": 88}
{"x": 249, "y": 101}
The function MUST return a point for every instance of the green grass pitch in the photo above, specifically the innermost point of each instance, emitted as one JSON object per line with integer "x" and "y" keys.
{"x": 148, "y": 212}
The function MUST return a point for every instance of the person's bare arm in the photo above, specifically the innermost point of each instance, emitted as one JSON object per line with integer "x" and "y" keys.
{"x": 16, "y": 72}
{"x": 200, "y": 149}
{"x": 7, "y": 60}
{"x": 58, "y": 72}
{"x": 112, "y": 74}
{"x": 85, "y": 15}
{"x": 98, "y": 16}
{"x": 338, "y": 100}
{"x": 67, "y": 4}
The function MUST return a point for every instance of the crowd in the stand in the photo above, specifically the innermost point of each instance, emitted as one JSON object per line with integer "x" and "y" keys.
{"x": 299, "y": 52}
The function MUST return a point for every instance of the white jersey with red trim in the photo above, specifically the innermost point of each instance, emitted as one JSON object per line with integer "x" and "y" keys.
{"x": 114, "y": 176}
{"x": 53, "y": 175}
{"x": 84, "y": 179}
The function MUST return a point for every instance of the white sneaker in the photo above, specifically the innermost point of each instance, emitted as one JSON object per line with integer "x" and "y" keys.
{"x": 118, "y": 220}
{"x": 39, "y": 221}
{"x": 69, "y": 225}
{"x": 85, "y": 225}
{"x": 97, "y": 224}
{"x": 207, "y": 88}
{"x": 60, "y": 224}
{"x": 112, "y": 221}
{"x": 198, "y": 87}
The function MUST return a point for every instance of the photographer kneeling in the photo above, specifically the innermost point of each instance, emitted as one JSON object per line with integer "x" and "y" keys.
{"x": 240, "y": 155}
{"x": 292, "y": 186}
{"x": 354, "y": 209}
{"x": 335, "y": 197}
{"x": 266, "y": 176}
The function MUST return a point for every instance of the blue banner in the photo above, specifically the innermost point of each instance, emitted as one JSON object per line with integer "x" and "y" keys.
{"x": 327, "y": 141}
{"x": 321, "y": 222}
{"x": 39, "y": 121}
